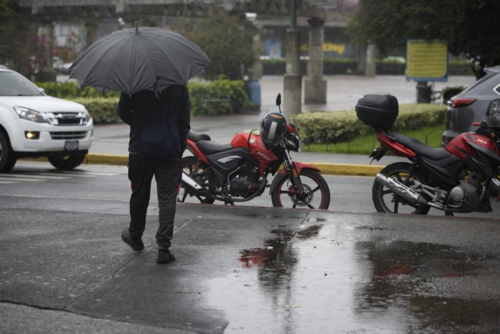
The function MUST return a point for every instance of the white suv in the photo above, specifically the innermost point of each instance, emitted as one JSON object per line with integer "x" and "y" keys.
{"x": 33, "y": 124}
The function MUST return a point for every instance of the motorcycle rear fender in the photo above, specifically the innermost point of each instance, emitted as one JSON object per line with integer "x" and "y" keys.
{"x": 378, "y": 153}
{"x": 193, "y": 148}
{"x": 282, "y": 174}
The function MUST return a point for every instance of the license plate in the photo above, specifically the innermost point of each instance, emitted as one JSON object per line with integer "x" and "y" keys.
{"x": 71, "y": 145}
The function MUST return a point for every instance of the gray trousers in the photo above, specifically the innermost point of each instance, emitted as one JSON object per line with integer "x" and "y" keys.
{"x": 167, "y": 172}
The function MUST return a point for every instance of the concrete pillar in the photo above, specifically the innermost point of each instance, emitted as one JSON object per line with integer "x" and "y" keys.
{"x": 370, "y": 69}
{"x": 91, "y": 32}
{"x": 256, "y": 70}
{"x": 121, "y": 6}
{"x": 361, "y": 60}
{"x": 423, "y": 92}
{"x": 45, "y": 71}
{"x": 36, "y": 8}
{"x": 315, "y": 85}
{"x": 292, "y": 97}
{"x": 253, "y": 87}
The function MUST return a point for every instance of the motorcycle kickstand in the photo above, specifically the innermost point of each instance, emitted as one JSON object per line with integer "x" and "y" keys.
{"x": 229, "y": 202}
{"x": 448, "y": 214}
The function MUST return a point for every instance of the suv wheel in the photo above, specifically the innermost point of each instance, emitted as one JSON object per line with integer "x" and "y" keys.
{"x": 7, "y": 157}
{"x": 67, "y": 161}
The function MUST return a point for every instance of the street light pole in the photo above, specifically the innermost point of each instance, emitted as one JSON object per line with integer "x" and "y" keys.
{"x": 293, "y": 78}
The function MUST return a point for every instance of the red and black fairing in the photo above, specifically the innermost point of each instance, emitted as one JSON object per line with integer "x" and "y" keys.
{"x": 223, "y": 159}
{"x": 251, "y": 141}
{"x": 477, "y": 151}
{"x": 246, "y": 151}
{"x": 393, "y": 146}
{"x": 442, "y": 166}
{"x": 193, "y": 148}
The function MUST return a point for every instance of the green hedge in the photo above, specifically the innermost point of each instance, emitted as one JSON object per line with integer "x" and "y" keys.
{"x": 70, "y": 90}
{"x": 220, "y": 89}
{"x": 233, "y": 90}
{"x": 349, "y": 66}
{"x": 448, "y": 92}
{"x": 331, "y": 66}
{"x": 102, "y": 110}
{"x": 343, "y": 126}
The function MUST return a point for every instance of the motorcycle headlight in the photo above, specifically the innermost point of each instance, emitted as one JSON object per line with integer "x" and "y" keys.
{"x": 293, "y": 142}
{"x": 30, "y": 115}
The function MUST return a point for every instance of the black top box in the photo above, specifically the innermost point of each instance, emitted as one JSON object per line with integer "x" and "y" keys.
{"x": 378, "y": 111}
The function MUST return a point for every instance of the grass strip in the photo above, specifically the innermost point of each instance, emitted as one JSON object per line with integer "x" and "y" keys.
{"x": 430, "y": 135}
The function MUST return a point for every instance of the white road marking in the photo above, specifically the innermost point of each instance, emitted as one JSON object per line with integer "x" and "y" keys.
{"x": 32, "y": 176}
{"x": 39, "y": 171}
{"x": 21, "y": 179}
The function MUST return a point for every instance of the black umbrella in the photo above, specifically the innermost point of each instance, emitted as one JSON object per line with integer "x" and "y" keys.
{"x": 132, "y": 60}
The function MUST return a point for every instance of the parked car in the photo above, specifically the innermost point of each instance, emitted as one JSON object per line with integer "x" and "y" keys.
{"x": 64, "y": 69}
{"x": 470, "y": 105}
{"x": 33, "y": 124}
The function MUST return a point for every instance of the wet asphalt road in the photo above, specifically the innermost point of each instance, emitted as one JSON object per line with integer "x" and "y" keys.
{"x": 240, "y": 269}
{"x": 95, "y": 182}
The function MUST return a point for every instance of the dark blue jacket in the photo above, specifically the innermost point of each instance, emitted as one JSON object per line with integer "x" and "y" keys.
{"x": 136, "y": 109}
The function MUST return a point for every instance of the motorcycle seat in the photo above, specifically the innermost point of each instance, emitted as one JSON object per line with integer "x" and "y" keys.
{"x": 196, "y": 136}
{"x": 210, "y": 147}
{"x": 418, "y": 147}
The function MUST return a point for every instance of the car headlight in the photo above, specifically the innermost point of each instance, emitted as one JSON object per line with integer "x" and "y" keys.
{"x": 30, "y": 115}
{"x": 88, "y": 118}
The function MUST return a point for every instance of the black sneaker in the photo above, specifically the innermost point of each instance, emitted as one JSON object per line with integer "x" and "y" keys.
{"x": 136, "y": 245}
{"x": 164, "y": 256}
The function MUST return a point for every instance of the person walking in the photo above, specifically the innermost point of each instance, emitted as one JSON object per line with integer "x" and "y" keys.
{"x": 140, "y": 111}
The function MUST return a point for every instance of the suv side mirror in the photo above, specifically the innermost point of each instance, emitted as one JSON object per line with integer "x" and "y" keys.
{"x": 41, "y": 90}
{"x": 278, "y": 100}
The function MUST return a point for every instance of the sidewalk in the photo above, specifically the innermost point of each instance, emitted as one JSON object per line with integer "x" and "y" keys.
{"x": 113, "y": 139}
{"x": 244, "y": 270}
{"x": 111, "y": 146}
{"x": 343, "y": 93}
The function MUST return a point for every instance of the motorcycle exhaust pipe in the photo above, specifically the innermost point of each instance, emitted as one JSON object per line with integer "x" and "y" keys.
{"x": 402, "y": 190}
{"x": 188, "y": 181}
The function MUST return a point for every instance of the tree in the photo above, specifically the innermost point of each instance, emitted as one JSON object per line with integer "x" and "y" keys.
{"x": 226, "y": 39}
{"x": 18, "y": 47}
{"x": 468, "y": 27}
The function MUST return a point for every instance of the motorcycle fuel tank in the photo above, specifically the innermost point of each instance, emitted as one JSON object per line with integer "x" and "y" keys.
{"x": 251, "y": 141}
{"x": 464, "y": 145}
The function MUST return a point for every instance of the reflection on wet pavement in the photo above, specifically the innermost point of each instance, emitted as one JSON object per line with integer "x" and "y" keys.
{"x": 318, "y": 275}
{"x": 431, "y": 282}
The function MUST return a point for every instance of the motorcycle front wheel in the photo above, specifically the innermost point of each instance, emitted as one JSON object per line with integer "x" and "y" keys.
{"x": 195, "y": 168}
{"x": 316, "y": 192}
{"x": 385, "y": 200}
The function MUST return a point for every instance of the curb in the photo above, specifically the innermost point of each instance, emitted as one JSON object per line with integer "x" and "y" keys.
{"x": 347, "y": 169}
{"x": 325, "y": 168}
{"x": 106, "y": 159}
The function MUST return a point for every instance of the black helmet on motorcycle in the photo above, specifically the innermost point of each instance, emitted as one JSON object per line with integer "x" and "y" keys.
{"x": 493, "y": 115}
{"x": 272, "y": 129}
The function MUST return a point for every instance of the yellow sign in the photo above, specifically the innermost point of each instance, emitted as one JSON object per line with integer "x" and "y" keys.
{"x": 426, "y": 60}
{"x": 327, "y": 47}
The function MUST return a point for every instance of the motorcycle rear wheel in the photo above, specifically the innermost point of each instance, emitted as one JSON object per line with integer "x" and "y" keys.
{"x": 189, "y": 167}
{"x": 313, "y": 184}
{"x": 384, "y": 198}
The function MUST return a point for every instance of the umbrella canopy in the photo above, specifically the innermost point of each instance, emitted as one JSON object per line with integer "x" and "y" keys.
{"x": 138, "y": 59}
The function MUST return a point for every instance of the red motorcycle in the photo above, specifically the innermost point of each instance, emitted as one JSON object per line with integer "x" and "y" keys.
{"x": 237, "y": 172}
{"x": 452, "y": 179}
